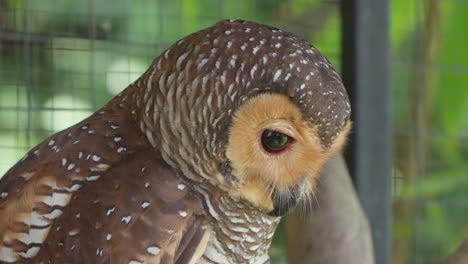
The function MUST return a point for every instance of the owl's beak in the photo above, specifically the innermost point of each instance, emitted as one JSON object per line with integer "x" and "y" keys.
{"x": 284, "y": 203}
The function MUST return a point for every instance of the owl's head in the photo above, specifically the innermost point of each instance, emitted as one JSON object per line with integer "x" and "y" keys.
{"x": 249, "y": 108}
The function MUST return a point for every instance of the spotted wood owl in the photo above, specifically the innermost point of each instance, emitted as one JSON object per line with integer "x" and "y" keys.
{"x": 194, "y": 162}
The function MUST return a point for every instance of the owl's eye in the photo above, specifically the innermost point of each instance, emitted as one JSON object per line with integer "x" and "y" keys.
{"x": 274, "y": 142}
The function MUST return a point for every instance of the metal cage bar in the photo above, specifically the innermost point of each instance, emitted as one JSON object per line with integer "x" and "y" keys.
{"x": 366, "y": 73}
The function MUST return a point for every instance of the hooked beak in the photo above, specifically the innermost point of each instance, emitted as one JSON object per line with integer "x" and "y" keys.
{"x": 283, "y": 204}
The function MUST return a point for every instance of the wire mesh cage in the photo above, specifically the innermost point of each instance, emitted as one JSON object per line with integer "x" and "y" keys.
{"x": 430, "y": 101}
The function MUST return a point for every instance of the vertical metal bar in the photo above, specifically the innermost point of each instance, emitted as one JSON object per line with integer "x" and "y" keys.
{"x": 366, "y": 73}
{"x": 26, "y": 74}
{"x": 92, "y": 53}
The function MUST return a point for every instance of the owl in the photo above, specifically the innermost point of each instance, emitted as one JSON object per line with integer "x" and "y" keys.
{"x": 194, "y": 162}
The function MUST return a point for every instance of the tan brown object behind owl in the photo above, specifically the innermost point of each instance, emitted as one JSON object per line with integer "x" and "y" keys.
{"x": 194, "y": 162}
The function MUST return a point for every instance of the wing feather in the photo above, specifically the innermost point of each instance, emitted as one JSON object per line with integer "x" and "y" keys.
{"x": 193, "y": 243}
{"x": 83, "y": 197}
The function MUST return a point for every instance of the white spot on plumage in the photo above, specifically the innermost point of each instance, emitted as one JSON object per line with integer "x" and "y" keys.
{"x": 183, "y": 213}
{"x": 114, "y": 127}
{"x": 147, "y": 184}
{"x": 73, "y": 232}
{"x": 57, "y": 199}
{"x": 117, "y": 139}
{"x": 80, "y": 155}
{"x": 121, "y": 149}
{"x": 145, "y": 204}
{"x": 239, "y": 229}
{"x": 236, "y": 220}
{"x": 250, "y": 239}
{"x": 270, "y": 235}
{"x": 223, "y": 79}
{"x": 181, "y": 186}
{"x": 31, "y": 252}
{"x": 254, "y": 248}
{"x": 166, "y": 54}
{"x": 252, "y": 71}
{"x": 93, "y": 177}
{"x": 78, "y": 215}
{"x": 255, "y": 49}
{"x": 255, "y": 229}
{"x": 64, "y": 162}
{"x": 96, "y": 158}
{"x": 4, "y": 195}
{"x": 84, "y": 127}
{"x": 181, "y": 59}
{"x": 76, "y": 142}
{"x": 51, "y": 142}
{"x": 277, "y": 75}
{"x": 202, "y": 63}
{"x": 71, "y": 166}
{"x": 153, "y": 250}
{"x": 91, "y": 132}
{"x": 100, "y": 167}
{"x": 54, "y": 214}
{"x": 110, "y": 211}
{"x": 108, "y": 237}
{"x": 127, "y": 219}
{"x": 134, "y": 262}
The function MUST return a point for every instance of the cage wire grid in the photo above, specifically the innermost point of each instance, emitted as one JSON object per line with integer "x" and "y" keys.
{"x": 430, "y": 162}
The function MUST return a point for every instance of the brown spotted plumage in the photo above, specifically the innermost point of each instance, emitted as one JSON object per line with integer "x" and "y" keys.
{"x": 193, "y": 163}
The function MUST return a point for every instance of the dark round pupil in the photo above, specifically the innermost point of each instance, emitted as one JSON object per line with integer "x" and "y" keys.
{"x": 274, "y": 141}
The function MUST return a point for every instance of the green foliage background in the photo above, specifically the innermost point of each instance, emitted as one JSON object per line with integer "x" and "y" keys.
{"x": 61, "y": 60}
